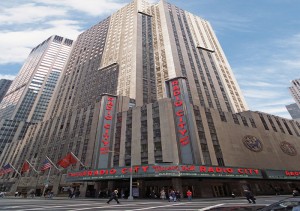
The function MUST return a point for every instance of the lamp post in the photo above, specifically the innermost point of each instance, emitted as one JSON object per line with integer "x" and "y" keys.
{"x": 130, "y": 197}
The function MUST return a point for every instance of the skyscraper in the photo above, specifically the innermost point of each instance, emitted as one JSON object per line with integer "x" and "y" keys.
{"x": 27, "y": 99}
{"x": 149, "y": 45}
{"x": 28, "y": 96}
{"x": 150, "y": 88}
{"x": 4, "y": 86}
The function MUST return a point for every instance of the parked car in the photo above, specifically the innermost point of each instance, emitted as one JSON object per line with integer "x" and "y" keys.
{"x": 285, "y": 204}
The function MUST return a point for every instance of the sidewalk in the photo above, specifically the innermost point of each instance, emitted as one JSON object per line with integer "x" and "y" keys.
{"x": 105, "y": 199}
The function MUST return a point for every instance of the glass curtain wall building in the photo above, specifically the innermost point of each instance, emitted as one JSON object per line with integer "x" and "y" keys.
{"x": 29, "y": 95}
{"x": 27, "y": 99}
{"x": 4, "y": 86}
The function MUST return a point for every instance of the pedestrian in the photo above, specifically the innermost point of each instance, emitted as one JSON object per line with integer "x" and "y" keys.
{"x": 177, "y": 195}
{"x": 51, "y": 194}
{"x": 232, "y": 195}
{"x": 32, "y": 194}
{"x": 114, "y": 195}
{"x": 163, "y": 194}
{"x": 295, "y": 192}
{"x": 46, "y": 193}
{"x": 71, "y": 192}
{"x": 16, "y": 193}
{"x": 77, "y": 193}
{"x": 249, "y": 196}
{"x": 172, "y": 196}
{"x": 189, "y": 195}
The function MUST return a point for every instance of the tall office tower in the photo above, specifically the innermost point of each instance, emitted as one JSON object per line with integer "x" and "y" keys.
{"x": 185, "y": 45}
{"x": 4, "y": 86}
{"x": 28, "y": 96}
{"x": 293, "y": 110}
{"x": 140, "y": 47}
{"x": 295, "y": 90}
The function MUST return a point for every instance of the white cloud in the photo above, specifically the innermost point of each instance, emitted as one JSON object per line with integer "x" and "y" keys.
{"x": 10, "y": 77}
{"x": 260, "y": 94}
{"x": 28, "y": 13}
{"x": 46, "y": 18}
{"x": 276, "y": 102}
{"x": 18, "y": 44}
{"x": 92, "y": 7}
{"x": 259, "y": 84}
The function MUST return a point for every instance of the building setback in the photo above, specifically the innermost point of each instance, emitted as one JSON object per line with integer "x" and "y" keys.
{"x": 150, "y": 87}
{"x": 4, "y": 86}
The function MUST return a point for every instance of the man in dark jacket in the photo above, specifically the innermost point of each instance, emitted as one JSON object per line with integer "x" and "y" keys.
{"x": 114, "y": 195}
{"x": 249, "y": 195}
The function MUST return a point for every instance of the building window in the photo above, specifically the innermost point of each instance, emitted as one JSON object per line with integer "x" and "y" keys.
{"x": 263, "y": 121}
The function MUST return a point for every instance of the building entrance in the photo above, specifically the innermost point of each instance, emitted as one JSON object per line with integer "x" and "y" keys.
{"x": 220, "y": 190}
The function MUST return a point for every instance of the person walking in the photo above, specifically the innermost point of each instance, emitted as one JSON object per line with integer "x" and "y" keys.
{"x": 249, "y": 196}
{"x": 114, "y": 195}
{"x": 189, "y": 195}
{"x": 177, "y": 195}
{"x": 163, "y": 194}
{"x": 77, "y": 193}
{"x": 172, "y": 196}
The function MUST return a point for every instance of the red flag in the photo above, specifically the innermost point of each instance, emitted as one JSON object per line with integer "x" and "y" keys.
{"x": 66, "y": 161}
{"x": 25, "y": 167}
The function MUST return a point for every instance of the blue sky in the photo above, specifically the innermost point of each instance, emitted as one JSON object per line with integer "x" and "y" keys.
{"x": 261, "y": 39}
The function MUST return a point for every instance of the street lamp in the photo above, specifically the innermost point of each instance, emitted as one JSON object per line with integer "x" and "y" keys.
{"x": 130, "y": 197}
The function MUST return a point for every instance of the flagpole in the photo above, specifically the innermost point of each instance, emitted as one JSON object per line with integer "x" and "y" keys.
{"x": 78, "y": 159}
{"x": 14, "y": 169}
{"x": 32, "y": 166}
{"x": 52, "y": 163}
{"x": 47, "y": 180}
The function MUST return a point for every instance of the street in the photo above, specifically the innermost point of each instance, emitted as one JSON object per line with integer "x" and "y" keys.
{"x": 36, "y": 204}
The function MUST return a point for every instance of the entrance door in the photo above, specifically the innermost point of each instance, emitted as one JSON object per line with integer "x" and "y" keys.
{"x": 220, "y": 190}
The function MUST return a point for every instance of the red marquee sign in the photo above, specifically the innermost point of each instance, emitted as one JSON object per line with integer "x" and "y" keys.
{"x": 165, "y": 171}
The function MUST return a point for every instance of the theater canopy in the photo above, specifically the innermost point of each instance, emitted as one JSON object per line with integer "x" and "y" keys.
{"x": 144, "y": 171}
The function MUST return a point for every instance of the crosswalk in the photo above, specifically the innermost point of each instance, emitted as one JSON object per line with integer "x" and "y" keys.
{"x": 70, "y": 205}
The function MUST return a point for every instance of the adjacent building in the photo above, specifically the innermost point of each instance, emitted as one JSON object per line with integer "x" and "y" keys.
{"x": 4, "y": 85}
{"x": 148, "y": 93}
{"x": 294, "y": 111}
{"x": 28, "y": 96}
